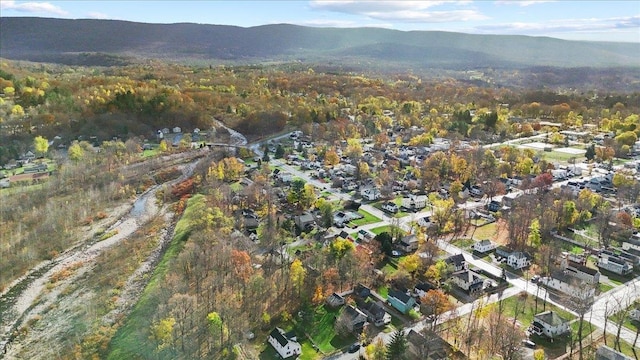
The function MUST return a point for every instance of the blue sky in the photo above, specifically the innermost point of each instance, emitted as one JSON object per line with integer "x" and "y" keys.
{"x": 572, "y": 20}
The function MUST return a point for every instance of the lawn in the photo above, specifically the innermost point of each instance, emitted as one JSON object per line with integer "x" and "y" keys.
{"x": 463, "y": 243}
{"x": 557, "y": 156}
{"x": 379, "y": 230}
{"x": 367, "y": 219}
{"x": 628, "y": 323}
{"x": 322, "y": 331}
{"x": 527, "y": 309}
{"x": 486, "y": 232}
{"x": 383, "y": 291}
{"x": 388, "y": 269}
{"x": 604, "y": 287}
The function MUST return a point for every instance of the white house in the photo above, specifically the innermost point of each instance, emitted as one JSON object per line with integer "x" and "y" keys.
{"x": 579, "y": 271}
{"x": 370, "y": 193}
{"x": 518, "y": 260}
{"x": 568, "y": 285}
{"x": 468, "y": 281}
{"x": 484, "y": 246}
{"x": 425, "y": 222}
{"x": 549, "y": 324}
{"x": 632, "y": 243}
{"x": 414, "y": 202}
{"x": 613, "y": 263}
{"x": 286, "y": 347}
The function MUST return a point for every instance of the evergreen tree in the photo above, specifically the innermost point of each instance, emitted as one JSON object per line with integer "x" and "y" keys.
{"x": 279, "y": 152}
{"x": 591, "y": 152}
{"x": 397, "y": 347}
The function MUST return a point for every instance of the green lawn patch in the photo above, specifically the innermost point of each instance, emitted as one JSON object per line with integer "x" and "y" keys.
{"x": 379, "y": 230}
{"x": 527, "y": 308}
{"x": 557, "y": 156}
{"x": 389, "y": 269}
{"x": 486, "y": 232}
{"x": 323, "y": 333}
{"x": 131, "y": 340}
{"x": 367, "y": 219}
{"x": 383, "y": 291}
{"x": 604, "y": 287}
{"x": 463, "y": 243}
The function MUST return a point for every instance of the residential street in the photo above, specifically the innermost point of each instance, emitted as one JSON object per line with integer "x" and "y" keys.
{"x": 609, "y": 302}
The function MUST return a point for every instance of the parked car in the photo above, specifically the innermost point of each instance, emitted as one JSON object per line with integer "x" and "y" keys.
{"x": 529, "y": 343}
{"x": 353, "y": 348}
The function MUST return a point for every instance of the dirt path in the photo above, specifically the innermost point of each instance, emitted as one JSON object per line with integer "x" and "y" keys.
{"x": 35, "y": 298}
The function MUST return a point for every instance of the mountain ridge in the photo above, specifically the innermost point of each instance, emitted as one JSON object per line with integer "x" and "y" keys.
{"x": 31, "y": 38}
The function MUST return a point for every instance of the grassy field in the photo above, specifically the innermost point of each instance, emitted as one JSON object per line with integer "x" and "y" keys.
{"x": 486, "y": 232}
{"x": 131, "y": 339}
{"x": 463, "y": 243}
{"x": 323, "y": 333}
{"x": 527, "y": 309}
{"x": 561, "y": 157}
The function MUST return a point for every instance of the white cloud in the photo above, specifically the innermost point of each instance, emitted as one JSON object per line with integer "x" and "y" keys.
{"x": 32, "y": 7}
{"x": 565, "y": 26}
{"x": 403, "y": 11}
{"x": 97, "y": 15}
{"x": 522, "y": 3}
{"x": 340, "y": 24}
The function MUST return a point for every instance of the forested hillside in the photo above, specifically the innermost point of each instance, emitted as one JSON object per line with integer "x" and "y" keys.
{"x": 62, "y": 40}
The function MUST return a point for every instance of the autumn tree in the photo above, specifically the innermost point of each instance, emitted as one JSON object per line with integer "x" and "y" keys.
{"x": 297, "y": 275}
{"x": 41, "y": 145}
{"x": 434, "y": 304}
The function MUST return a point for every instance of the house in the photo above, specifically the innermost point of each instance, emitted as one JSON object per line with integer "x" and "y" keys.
{"x": 503, "y": 252}
{"x": 468, "y": 280}
{"x": 518, "y": 260}
{"x": 414, "y": 202}
{"x": 606, "y": 353}
{"x": 549, "y": 324}
{"x": 335, "y": 300}
{"x": 401, "y": 301}
{"x": 635, "y": 313}
{"x": 390, "y": 207}
{"x": 422, "y": 288}
{"x": 611, "y": 262}
{"x": 305, "y": 221}
{"x": 361, "y": 291}
{"x": 285, "y": 347}
{"x": 429, "y": 346}
{"x": 370, "y": 193}
{"x": 425, "y": 222}
{"x": 569, "y": 285}
{"x": 408, "y": 243}
{"x": 484, "y": 246}
{"x": 375, "y": 312}
{"x": 632, "y": 243}
{"x": 457, "y": 262}
{"x": 579, "y": 271}
{"x": 353, "y": 319}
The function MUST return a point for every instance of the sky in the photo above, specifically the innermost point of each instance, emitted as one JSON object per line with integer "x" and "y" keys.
{"x": 564, "y": 19}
